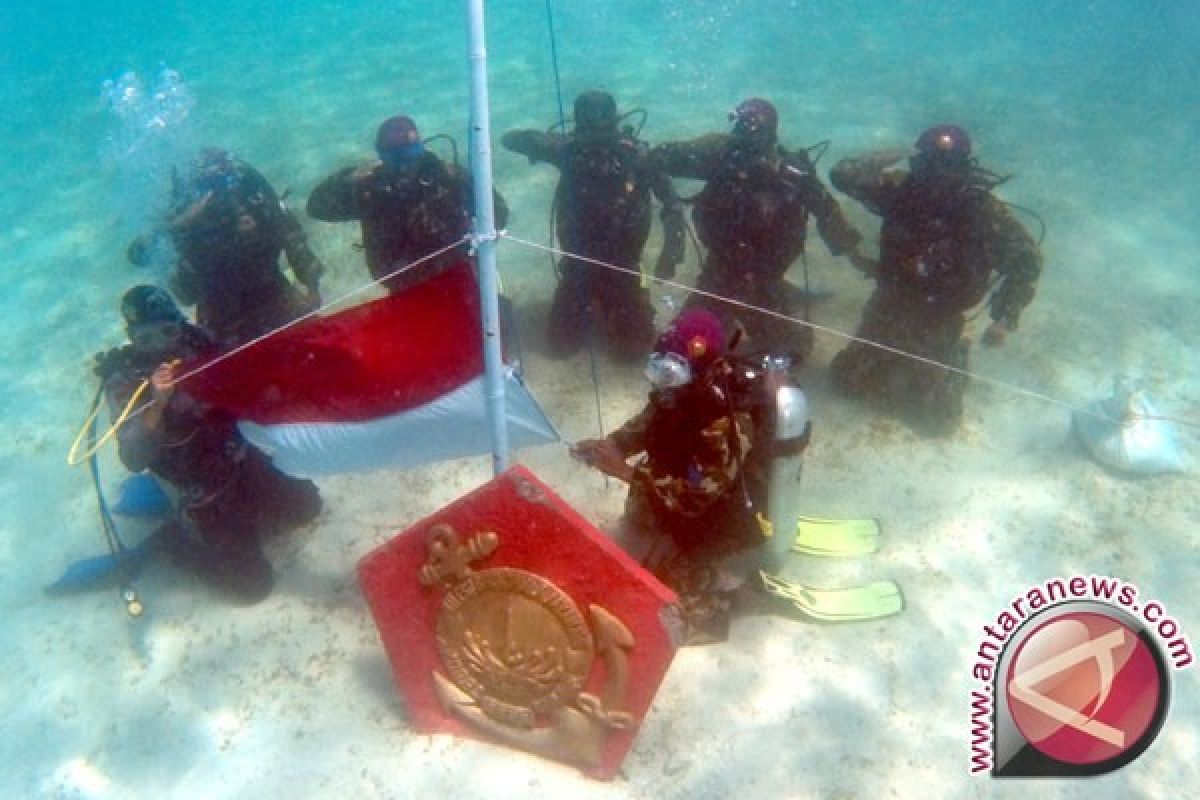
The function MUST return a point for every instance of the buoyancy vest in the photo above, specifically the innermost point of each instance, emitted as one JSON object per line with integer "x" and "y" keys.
{"x": 233, "y": 244}
{"x": 751, "y": 215}
{"x": 673, "y": 437}
{"x": 201, "y": 449}
{"x": 928, "y": 247}
{"x": 603, "y": 201}
{"x": 408, "y": 215}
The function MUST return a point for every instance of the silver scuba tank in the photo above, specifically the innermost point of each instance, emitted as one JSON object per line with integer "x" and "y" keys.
{"x": 791, "y": 416}
{"x": 793, "y": 427}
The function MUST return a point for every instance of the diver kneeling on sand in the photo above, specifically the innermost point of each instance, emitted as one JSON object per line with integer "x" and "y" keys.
{"x": 410, "y": 203}
{"x": 708, "y": 434}
{"x": 946, "y": 245}
{"x": 229, "y": 493}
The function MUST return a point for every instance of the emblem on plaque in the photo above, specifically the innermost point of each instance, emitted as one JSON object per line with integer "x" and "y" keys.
{"x": 517, "y": 653}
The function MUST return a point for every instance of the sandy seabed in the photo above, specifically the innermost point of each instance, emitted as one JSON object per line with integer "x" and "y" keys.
{"x": 295, "y": 695}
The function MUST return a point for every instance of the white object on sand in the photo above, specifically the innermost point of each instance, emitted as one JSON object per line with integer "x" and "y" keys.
{"x": 1124, "y": 432}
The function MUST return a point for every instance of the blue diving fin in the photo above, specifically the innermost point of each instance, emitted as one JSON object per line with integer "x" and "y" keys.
{"x": 142, "y": 496}
{"x": 108, "y": 571}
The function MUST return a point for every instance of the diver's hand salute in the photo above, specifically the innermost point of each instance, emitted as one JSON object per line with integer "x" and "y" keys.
{"x": 946, "y": 245}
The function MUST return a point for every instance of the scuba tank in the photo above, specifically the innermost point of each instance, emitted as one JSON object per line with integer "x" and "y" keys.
{"x": 792, "y": 431}
{"x": 762, "y": 386}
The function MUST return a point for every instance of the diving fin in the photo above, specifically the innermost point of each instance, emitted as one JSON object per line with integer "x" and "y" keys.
{"x": 142, "y": 496}
{"x": 98, "y": 573}
{"x": 836, "y": 537}
{"x": 853, "y": 604}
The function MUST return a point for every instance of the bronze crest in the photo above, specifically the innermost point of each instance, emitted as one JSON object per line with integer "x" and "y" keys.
{"x": 517, "y": 652}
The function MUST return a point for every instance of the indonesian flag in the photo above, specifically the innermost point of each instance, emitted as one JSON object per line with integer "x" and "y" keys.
{"x": 391, "y": 383}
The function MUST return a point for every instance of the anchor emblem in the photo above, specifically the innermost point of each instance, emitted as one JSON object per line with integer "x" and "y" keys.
{"x": 517, "y": 652}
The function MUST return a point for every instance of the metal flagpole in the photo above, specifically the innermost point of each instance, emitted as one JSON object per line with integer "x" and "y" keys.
{"x": 485, "y": 233}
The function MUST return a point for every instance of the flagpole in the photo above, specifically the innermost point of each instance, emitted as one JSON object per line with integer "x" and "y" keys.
{"x": 485, "y": 233}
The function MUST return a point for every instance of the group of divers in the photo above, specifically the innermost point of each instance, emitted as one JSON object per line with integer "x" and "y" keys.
{"x": 721, "y": 411}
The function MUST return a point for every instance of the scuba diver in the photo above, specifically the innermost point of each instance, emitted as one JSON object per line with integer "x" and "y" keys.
{"x": 752, "y": 216}
{"x": 230, "y": 495}
{"x": 410, "y": 204}
{"x": 944, "y": 235}
{"x": 695, "y": 512}
{"x": 228, "y": 228}
{"x": 603, "y": 210}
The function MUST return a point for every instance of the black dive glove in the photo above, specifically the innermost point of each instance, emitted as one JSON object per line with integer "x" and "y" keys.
{"x": 108, "y": 362}
{"x": 522, "y": 142}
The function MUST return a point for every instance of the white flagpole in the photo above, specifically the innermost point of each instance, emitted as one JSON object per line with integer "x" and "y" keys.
{"x": 485, "y": 232}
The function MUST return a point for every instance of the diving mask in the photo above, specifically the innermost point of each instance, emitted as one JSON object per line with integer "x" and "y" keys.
{"x": 755, "y": 120}
{"x": 744, "y": 124}
{"x": 403, "y": 155}
{"x": 213, "y": 171}
{"x": 668, "y": 371}
{"x": 155, "y": 337}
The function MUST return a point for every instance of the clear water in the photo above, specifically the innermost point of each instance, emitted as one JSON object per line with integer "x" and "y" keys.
{"x": 1094, "y": 107}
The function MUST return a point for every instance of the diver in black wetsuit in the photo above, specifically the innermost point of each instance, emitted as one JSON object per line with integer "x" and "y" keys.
{"x": 752, "y": 216}
{"x": 230, "y": 495}
{"x": 603, "y": 210}
{"x": 943, "y": 239}
{"x": 229, "y": 228}
{"x": 410, "y": 204}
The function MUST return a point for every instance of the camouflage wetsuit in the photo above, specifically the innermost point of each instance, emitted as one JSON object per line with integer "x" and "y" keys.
{"x": 937, "y": 260}
{"x": 229, "y": 232}
{"x": 405, "y": 215}
{"x": 229, "y": 493}
{"x": 687, "y": 504}
{"x": 603, "y": 211}
{"x": 752, "y": 215}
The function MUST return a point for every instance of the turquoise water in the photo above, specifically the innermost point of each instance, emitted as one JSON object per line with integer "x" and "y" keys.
{"x": 1095, "y": 107}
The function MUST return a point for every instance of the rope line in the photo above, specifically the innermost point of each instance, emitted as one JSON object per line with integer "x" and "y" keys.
{"x": 1001, "y": 384}
{"x": 74, "y": 457}
{"x": 591, "y": 328}
{"x": 130, "y": 412}
{"x": 562, "y": 116}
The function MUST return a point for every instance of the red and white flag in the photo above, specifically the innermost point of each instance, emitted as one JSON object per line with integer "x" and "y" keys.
{"x": 391, "y": 383}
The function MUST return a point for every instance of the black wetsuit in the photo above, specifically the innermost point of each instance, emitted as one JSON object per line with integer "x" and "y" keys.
{"x": 405, "y": 214}
{"x": 940, "y": 247}
{"x": 603, "y": 210}
{"x": 229, "y": 239}
{"x": 752, "y": 215}
{"x": 229, "y": 493}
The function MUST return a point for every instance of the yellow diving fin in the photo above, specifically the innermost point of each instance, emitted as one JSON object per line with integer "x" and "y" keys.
{"x": 816, "y": 536}
{"x": 853, "y": 604}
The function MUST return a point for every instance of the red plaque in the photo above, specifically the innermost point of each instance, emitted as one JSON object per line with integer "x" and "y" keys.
{"x": 508, "y": 617}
